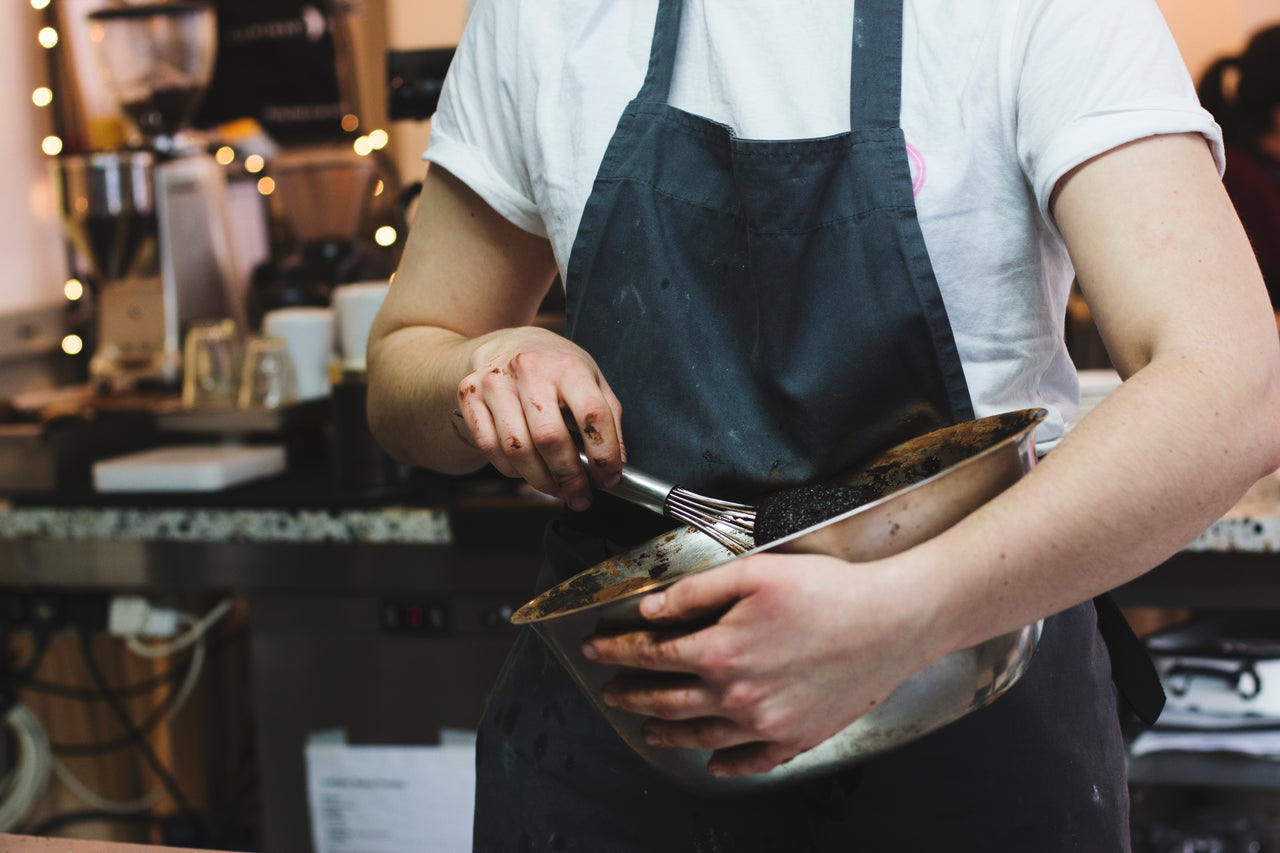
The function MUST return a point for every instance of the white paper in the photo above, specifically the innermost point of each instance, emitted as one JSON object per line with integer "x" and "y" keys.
{"x": 391, "y": 799}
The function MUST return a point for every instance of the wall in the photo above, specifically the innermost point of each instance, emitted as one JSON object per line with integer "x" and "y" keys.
{"x": 1208, "y": 29}
{"x": 30, "y": 241}
{"x": 1204, "y": 29}
{"x": 414, "y": 24}
{"x": 30, "y": 236}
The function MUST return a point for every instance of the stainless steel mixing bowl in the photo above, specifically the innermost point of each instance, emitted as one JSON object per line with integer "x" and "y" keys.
{"x": 928, "y": 484}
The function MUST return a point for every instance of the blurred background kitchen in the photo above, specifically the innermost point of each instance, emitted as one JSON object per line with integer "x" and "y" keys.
{"x": 227, "y": 619}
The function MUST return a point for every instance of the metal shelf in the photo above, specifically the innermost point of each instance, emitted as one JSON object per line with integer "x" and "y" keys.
{"x": 1204, "y": 770}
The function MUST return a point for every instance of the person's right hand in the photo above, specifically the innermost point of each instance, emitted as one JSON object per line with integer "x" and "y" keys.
{"x": 527, "y": 386}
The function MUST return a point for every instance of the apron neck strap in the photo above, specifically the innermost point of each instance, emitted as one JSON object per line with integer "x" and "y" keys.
{"x": 662, "y": 53}
{"x": 875, "y": 80}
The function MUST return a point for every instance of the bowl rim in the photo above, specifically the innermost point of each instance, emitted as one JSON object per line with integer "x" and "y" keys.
{"x": 1035, "y": 415}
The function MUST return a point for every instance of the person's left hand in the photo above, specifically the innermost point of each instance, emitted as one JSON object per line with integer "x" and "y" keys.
{"x": 807, "y": 645}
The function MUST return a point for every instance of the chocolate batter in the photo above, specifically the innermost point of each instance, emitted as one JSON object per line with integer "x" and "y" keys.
{"x": 792, "y": 510}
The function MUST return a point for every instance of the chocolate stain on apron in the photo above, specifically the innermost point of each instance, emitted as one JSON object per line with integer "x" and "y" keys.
{"x": 767, "y": 313}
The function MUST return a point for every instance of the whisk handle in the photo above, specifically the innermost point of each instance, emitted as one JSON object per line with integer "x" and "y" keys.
{"x": 638, "y": 488}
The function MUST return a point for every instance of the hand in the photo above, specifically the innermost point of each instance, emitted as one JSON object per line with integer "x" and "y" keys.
{"x": 527, "y": 384}
{"x": 808, "y": 645}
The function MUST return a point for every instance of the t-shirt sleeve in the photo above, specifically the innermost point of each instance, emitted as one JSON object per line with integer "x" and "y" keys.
{"x": 1091, "y": 76}
{"x": 476, "y": 130}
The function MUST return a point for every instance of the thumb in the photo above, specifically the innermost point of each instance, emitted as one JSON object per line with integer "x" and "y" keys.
{"x": 698, "y": 596}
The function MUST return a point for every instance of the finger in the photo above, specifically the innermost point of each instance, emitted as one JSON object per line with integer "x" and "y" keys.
{"x": 659, "y": 651}
{"x": 749, "y": 759}
{"x": 480, "y": 431}
{"x": 672, "y": 697}
{"x": 710, "y": 733}
{"x": 615, "y": 406}
{"x": 596, "y": 415}
{"x": 702, "y": 594}
{"x": 514, "y": 446}
{"x": 554, "y": 443}
{"x": 474, "y": 404}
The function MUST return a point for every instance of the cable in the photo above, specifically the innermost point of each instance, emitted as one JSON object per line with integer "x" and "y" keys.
{"x": 61, "y": 821}
{"x": 30, "y": 777}
{"x": 149, "y": 800}
{"x": 87, "y": 694}
{"x": 199, "y": 627}
{"x": 36, "y": 763}
{"x": 148, "y": 754}
{"x": 214, "y": 645}
{"x": 40, "y": 647}
{"x": 82, "y": 792}
{"x": 148, "y": 725}
{"x": 193, "y": 635}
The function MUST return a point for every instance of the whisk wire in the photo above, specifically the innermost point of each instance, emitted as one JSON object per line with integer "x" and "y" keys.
{"x": 730, "y": 524}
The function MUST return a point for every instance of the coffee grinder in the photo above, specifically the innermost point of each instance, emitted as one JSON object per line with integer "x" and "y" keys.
{"x": 322, "y": 193}
{"x": 151, "y": 222}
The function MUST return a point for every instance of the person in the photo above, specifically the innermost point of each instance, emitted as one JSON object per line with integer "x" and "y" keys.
{"x": 791, "y": 235}
{"x": 1250, "y": 120}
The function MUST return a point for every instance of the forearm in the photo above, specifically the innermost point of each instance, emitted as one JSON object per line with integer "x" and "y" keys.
{"x": 414, "y": 376}
{"x": 468, "y": 278}
{"x": 1179, "y": 301}
{"x": 1144, "y": 473}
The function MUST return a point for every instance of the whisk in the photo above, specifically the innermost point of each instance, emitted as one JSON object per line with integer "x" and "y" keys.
{"x": 728, "y": 523}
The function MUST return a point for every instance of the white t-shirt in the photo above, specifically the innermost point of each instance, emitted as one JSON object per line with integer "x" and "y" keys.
{"x": 1000, "y": 99}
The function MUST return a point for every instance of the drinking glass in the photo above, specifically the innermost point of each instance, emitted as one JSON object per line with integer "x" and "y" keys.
{"x": 268, "y": 380}
{"x": 211, "y": 364}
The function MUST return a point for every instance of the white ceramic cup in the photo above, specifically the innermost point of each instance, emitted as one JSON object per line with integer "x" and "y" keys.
{"x": 308, "y": 335}
{"x": 355, "y": 306}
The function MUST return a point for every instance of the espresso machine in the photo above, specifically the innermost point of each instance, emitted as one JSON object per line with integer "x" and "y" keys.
{"x": 151, "y": 221}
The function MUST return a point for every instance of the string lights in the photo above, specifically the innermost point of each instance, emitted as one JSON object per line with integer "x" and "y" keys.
{"x": 42, "y": 97}
{"x": 375, "y": 140}
{"x": 52, "y": 145}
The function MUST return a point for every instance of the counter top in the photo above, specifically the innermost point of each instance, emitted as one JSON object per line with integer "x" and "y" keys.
{"x": 31, "y": 844}
{"x": 483, "y": 539}
{"x": 1252, "y": 525}
{"x": 291, "y": 508}
{"x": 391, "y": 524}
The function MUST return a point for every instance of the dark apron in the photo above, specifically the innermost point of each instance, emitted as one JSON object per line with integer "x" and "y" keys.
{"x": 767, "y": 313}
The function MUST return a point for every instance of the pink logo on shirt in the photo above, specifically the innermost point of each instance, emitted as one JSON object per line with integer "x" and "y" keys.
{"x": 916, "y": 159}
